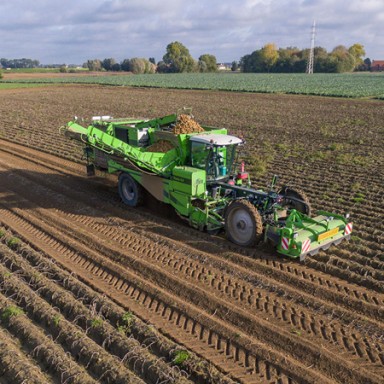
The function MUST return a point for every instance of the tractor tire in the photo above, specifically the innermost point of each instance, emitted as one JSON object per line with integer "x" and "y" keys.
{"x": 131, "y": 193}
{"x": 299, "y": 200}
{"x": 243, "y": 224}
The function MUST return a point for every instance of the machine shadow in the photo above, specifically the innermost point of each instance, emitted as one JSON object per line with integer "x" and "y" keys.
{"x": 98, "y": 197}
{"x": 95, "y": 196}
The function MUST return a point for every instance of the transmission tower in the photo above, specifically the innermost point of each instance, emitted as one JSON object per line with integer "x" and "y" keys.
{"x": 309, "y": 69}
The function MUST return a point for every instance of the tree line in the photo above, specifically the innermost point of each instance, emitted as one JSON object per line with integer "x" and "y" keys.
{"x": 176, "y": 59}
{"x": 287, "y": 60}
{"x": 19, "y": 63}
{"x": 267, "y": 59}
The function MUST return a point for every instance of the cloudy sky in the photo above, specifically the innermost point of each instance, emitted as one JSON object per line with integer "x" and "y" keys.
{"x": 73, "y": 31}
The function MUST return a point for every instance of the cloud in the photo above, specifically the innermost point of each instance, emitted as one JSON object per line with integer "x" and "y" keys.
{"x": 56, "y": 32}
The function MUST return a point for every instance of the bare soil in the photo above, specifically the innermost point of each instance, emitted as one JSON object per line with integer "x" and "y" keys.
{"x": 73, "y": 253}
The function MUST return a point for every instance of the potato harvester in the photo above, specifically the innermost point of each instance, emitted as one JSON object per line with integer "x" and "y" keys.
{"x": 196, "y": 170}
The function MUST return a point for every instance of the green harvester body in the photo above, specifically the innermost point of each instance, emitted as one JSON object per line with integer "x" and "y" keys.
{"x": 199, "y": 175}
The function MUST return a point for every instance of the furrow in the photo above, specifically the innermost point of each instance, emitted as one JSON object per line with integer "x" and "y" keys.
{"x": 280, "y": 266}
{"x": 233, "y": 355}
{"x": 42, "y": 348}
{"x": 93, "y": 324}
{"x": 338, "y": 273}
{"x": 235, "y": 290}
{"x": 15, "y": 366}
{"x": 102, "y": 366}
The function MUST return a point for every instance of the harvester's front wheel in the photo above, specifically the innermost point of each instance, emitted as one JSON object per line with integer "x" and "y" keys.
{"x": 130, "y": 191}
{"x": 243, "y": 224}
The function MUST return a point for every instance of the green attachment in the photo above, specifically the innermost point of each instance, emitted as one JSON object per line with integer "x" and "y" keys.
{"x": 73, "y": 130}
{"x": 206, "y": 219}
{"x": 303, "y": 235}
{"x": 274, "y": 181}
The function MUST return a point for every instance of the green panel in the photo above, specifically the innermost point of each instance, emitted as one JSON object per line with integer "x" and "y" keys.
{"x": 181, "y": 202}
{"x": 314, "y": 228}
{"x": 222, "y": 131}
{"x": 185, "y": 183}
{"x": 188, "y": 180}
{"x": 198, "y": 219}
{"x": 158, "y": 162}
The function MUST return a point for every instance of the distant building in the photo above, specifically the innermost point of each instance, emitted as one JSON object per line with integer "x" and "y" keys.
{"x": 224, "y": 66}
{"x": 377, "y": 65}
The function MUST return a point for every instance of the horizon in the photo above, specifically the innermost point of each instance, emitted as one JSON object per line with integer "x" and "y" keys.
{"x": 72, "y": 32}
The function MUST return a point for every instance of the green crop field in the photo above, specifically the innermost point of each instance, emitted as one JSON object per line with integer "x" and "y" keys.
{"x": 359, "y": 85}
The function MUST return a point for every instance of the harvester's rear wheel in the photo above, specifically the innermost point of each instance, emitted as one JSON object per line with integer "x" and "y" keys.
{"x": 243, "y": 224}
{"x": 296, "y": 199}
{"x": 130, "y": 191}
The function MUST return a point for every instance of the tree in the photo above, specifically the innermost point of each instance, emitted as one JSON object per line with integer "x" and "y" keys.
{"x": 149, "y": 67}
{"x": 234, "y": 66}
{"x": 209, "y": 61}
{"x": 269, "y": 55}
{"x": 152, "y": 60}
{"x": 137, "y": 65}
{"x": 162, "y": 67}
{"x": 108, "y": 64}
{"x": 367, "y": 63}
{"x": 244, "y": 63}
{"x": 252, "y": 62}
{"x": 342, "y": 60}
{"x": 116, "y": 67}
{"x": 202, "y": 66}
{"x": 261, "y": 60}
{"x": 320, "y": 52}
{"x": 287, "y": 61}
{"x": 140, "y": 66}
{"x": 94, "y": 65}
{"x": 178, "y": 58}
{"x": 358, "y": 52}
{"x": 125, "y": 65}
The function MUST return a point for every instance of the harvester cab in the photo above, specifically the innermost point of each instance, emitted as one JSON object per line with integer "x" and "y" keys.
{"x": 215, "y": 153}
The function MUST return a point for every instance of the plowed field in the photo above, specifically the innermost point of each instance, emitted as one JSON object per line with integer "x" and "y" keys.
{"x": 92, "y": 291}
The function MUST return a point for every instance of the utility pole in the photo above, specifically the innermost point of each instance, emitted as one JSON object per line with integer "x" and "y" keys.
{"x": 309, "y": 69}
